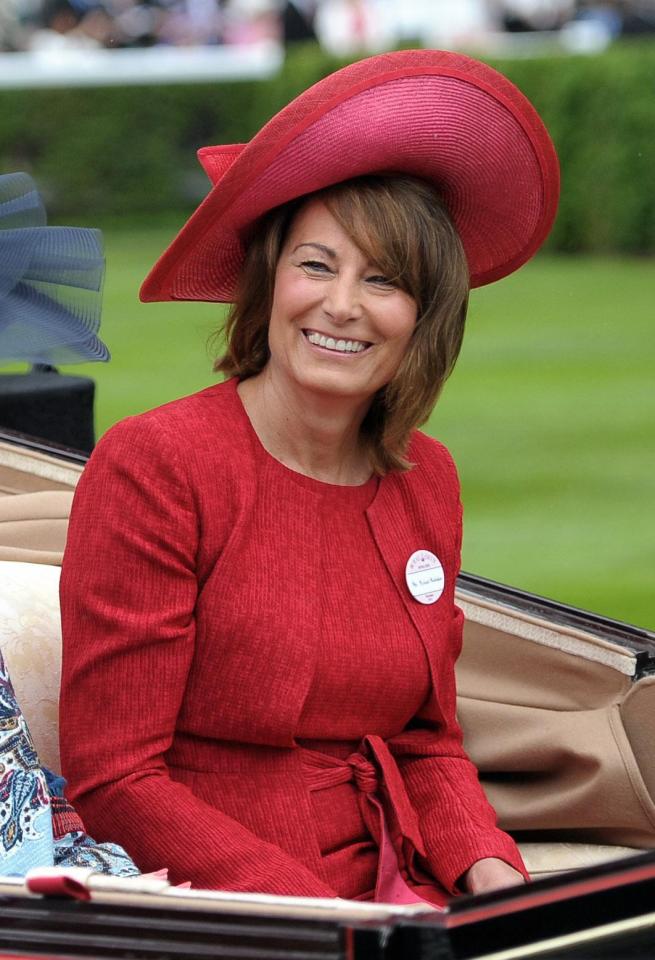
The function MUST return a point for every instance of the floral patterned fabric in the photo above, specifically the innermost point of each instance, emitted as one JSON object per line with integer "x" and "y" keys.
{"x": 38, "y": 827}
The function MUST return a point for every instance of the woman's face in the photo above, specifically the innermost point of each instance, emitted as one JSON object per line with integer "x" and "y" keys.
{"x": 338, "y": 326}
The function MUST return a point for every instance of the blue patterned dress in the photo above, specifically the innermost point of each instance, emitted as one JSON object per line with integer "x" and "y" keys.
{"x": 38, "y": 827}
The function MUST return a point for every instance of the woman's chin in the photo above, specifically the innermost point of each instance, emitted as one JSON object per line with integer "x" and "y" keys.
{"x": 339, "y": 384}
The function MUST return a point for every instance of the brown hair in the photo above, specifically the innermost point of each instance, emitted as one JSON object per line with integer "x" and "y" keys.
{"x": 400, "y": 223}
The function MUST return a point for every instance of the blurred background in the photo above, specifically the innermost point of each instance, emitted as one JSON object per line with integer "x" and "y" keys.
{"x": 550, "y": 413}
{"x": 341, "y": 26}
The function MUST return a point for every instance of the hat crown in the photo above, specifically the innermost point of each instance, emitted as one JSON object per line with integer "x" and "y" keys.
{"x": 443, "y": 116}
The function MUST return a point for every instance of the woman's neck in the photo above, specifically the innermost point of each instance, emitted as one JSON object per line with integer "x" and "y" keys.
{"x": 314, "y": 434}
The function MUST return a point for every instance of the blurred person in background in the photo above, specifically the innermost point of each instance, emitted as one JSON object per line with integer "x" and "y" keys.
{"x": 63, "y": 28}
{"x": 192, "y": 23}
{"x": 640, "y": 18}
{"x": 608, "y": 16}
{"x": 99, "y": 26}
{"x": 518, "y": 16}
{"x": 137, "y": 24}
{"x": 297, "y": 21}
{"x": 15, "y": 16}
{"x": 457, "y": 25}
{"x": 596, "y": 23}
{"x": 251, "y": 21}
{"x": 346, "y": 27}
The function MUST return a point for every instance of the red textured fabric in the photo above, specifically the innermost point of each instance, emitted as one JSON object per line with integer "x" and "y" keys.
{"x": 196, "y": 657}
{"x": 64, "y": 818}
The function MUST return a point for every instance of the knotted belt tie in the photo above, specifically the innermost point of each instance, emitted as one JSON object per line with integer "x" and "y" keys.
{"x": 383, "y": 801}
{"x": 323, "y": 771}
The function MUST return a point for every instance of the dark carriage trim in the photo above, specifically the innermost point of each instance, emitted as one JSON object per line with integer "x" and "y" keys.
{"x": 50, "y": 448}
{"x": 605, "y": 911}
{"x": 554, "y": 917}
{"x": 85, "y": 929}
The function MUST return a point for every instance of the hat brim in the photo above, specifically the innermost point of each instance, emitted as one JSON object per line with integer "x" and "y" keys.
{"x": 437, "y": 115}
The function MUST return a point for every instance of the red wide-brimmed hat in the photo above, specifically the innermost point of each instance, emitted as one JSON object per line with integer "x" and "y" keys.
{"x": 437, "y": 115}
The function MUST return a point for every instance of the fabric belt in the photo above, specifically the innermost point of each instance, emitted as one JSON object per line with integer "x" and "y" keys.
{"x": 384, "y": 805}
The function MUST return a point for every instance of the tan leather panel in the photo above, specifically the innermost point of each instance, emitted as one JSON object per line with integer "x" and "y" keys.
{"x": 26, "y": 471}
{"x": 33, "y": 526}
{"x": 511, "y": 669}
{"x": 557, "y": 726}
{"x": 638, "y": 716}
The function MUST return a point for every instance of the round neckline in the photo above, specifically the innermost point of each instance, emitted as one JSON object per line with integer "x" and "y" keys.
{"x": 358, "y": 495}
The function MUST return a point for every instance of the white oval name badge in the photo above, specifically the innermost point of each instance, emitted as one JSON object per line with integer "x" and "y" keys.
{"x": 425, "y": 577}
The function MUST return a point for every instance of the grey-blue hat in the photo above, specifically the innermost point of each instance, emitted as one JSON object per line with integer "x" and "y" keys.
{"x": 50, "y": 282}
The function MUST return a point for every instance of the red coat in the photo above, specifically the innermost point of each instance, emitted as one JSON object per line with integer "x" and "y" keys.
{"x": 180, "y": 707}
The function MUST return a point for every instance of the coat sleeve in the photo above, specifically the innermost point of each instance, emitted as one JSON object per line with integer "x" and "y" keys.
{"x": 457, "y": 822}
{"x": 128, "y": 591}
{"x": 458, "y": 825}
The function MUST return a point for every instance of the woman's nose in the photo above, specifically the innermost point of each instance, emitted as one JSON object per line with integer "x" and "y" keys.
{"x": 343, "y": 299}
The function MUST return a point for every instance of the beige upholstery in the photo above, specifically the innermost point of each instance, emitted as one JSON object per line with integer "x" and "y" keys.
{"x": 29, "y": 471}
{"x": 638, "y": 716}
{"x": 36, "y": 491}
{"x": 558, "y": 728}
{"x": 33, "y": 526}
{"x": 30, "y": 640}
{"x": 549, "y": 859}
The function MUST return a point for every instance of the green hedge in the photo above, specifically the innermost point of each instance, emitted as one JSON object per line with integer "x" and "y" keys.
{"x": 130, "y": 151}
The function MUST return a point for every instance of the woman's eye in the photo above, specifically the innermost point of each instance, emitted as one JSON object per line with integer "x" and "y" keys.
{"x": 316, "y": 266}
{"x": 381, "y": 281}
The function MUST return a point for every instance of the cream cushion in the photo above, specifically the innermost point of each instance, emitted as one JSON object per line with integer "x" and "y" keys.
{"x": 548, "y": 859}
{"x": 30, "y": 641}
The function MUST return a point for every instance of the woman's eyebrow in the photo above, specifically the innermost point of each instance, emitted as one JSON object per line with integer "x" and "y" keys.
{"x": 328, "y": 251}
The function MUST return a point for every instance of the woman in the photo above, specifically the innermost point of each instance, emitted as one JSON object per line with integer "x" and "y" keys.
{"x": 258, "y": 590}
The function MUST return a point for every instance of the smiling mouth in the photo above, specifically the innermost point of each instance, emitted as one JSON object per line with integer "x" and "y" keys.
{"x": 336, "y": 346}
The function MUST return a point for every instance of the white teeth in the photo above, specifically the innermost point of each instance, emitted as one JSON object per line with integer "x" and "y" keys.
{"x": 339, "y": 346}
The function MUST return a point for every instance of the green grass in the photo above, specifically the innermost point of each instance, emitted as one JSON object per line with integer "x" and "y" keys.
{"x": 550, "y": 415}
